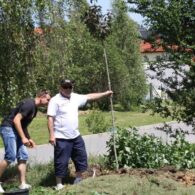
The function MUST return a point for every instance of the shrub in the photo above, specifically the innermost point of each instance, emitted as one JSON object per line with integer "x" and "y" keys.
{"x": 96, "y": 122}
{"x": 182, "y": 153}
{"x": 147, "y": 151}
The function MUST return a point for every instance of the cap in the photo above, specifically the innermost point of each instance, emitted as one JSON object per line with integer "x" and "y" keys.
{"x": 66, "y": 83}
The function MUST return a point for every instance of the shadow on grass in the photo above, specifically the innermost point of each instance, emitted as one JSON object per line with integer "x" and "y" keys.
{"x": 49, "y": 180}
{"x": 40, "y": 175}
{"x": 10, "y": 175}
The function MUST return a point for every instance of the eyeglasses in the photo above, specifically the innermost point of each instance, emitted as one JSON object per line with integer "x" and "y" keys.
{"x": 67, "y": 87}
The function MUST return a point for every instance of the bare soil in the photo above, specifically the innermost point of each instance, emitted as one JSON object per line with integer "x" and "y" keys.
{"x": 186, "y": 177}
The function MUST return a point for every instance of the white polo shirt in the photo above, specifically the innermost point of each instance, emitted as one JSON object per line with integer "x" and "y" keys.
{"x": 65, "y": 114}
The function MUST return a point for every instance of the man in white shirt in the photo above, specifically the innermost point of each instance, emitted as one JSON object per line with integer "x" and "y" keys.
{"x": 63, "y": 130}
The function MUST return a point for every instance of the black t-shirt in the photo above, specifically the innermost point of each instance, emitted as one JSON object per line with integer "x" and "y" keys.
{"x": 27, "y": 109}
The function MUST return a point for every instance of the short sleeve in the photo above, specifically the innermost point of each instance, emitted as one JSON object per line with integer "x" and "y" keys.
{"x": 26, "y": 109}
{"x": 82, "y": 100}
{"x": 52, "y": 108}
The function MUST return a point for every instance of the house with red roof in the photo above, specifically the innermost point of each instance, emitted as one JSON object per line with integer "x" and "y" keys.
{"x": 148, "y": 51}
{"x": 151, "y": 53}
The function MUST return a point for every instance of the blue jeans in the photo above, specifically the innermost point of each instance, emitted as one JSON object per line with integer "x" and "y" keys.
{"x": 14, "y": 148}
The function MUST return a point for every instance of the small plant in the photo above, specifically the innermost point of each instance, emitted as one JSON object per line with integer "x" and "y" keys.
{"x": 96, "y": 122}
{"x": 182, "y": 153}
{"x": 147, "y": 151}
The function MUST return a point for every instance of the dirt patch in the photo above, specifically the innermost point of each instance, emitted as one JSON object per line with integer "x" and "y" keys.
{"x": 84, "y": 112}
{"x": 186, "y": 177}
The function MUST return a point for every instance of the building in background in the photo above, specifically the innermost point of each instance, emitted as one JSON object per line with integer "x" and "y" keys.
{"x": 150, "y": 54}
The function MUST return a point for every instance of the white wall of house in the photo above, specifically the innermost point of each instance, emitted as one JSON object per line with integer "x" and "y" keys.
{"x": 151, "y": 56}
{"x": 154, "y": 85}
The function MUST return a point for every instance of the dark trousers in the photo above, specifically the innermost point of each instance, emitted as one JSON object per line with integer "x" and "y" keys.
{"x": 66, "y": 149}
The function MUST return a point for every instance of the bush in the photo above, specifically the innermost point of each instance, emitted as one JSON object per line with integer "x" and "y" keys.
{"x": 96, "y": 122}
{"x": 147, "y": 151}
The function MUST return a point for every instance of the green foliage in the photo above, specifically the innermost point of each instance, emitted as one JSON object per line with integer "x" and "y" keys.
{"x": 147, "y": 151}
{"x": 131, "y": 87}
{"x": 61, "y": 46}
{"x": 16, "y": 52}
{"x": 96, "y": 122}
{"x": 183, "y": 153}
{"x": 173, "y": 22}
{"x": 99, "y": 25}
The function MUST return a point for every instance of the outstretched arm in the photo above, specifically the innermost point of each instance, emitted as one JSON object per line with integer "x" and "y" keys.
{"x": 96, "y": 96}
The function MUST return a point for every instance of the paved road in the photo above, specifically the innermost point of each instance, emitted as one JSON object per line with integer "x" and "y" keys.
{"x": 96, "y": 143}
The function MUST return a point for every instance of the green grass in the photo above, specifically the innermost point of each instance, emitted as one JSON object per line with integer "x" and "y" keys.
{"x": 41, "y": 177}
{"x": 39, "y": 132}
{"x": 128, "y": 184}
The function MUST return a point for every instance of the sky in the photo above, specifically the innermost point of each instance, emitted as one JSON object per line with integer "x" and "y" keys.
{"x": 106, "y": 5}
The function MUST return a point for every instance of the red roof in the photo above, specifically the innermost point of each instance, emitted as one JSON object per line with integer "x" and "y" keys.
{"x": 146, "y": 47}
{"x": 38, "y": 30}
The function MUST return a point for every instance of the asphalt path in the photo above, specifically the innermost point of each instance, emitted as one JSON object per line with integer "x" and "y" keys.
{"x": 96, "y": 143}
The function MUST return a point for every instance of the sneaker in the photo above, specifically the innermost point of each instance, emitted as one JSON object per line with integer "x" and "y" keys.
{"x": 1, "y": 189}
{"x": 59, "y": 186}
{"x": 25, "y": 186}
{"x": 77, "y": 180}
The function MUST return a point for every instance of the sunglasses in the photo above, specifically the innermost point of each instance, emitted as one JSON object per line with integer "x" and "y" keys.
{"x": 67, "y": 87}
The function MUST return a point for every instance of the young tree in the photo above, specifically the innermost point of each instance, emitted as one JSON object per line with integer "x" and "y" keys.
{"x": 119, "y": 36}
{"x": 17, "y": 43}
{"x": 125, "y": 37}
{"x": 173, "y": 23}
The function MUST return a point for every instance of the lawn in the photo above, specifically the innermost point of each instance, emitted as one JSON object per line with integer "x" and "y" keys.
{"x": 39, "y": 132}
{"x": 132, "y": 182}
{"x": 139, "y": 181}
{"x": 129, "y": 185}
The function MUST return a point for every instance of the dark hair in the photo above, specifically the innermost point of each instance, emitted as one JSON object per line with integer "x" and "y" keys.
{"x": 43, "y": 92}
